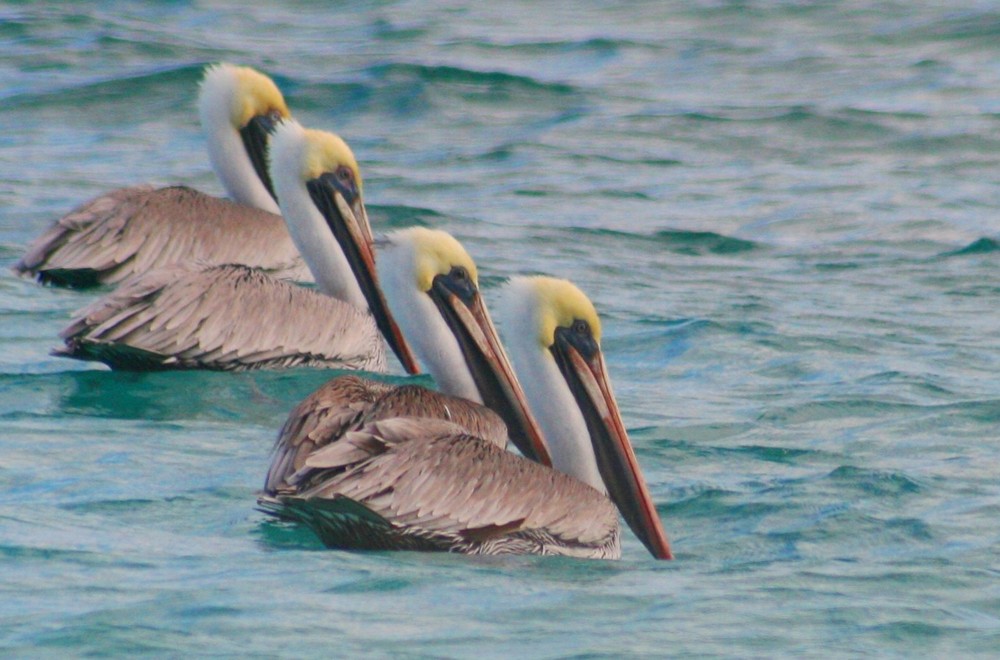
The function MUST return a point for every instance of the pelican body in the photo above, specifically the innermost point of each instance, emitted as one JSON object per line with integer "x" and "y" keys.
{"x": 431, "y": 284}
{"x": 185, "y": 317}
{"x": 369, "y": 476}
{"x": 136, "y": 229}
{"x": 230, "y": 317}
{"x": 410, "y": 483}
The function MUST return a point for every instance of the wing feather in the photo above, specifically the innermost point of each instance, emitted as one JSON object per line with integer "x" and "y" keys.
{"x": 319, "y": 419}
{"x": 137, "y": 229}
{"x": 432, "y": 482}
{"x": 185, "y": 315}
{"x": 348, "y": 403}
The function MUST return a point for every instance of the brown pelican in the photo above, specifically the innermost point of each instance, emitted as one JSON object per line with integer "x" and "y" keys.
{"x": 410, "y": 482}
{"x": 431, "y": 284}
{"x": 232, "y": 317}
{"x": 133, "y": 230}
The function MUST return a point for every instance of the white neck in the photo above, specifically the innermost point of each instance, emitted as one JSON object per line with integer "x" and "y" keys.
{"x": 225, "y": 147}
{"x": 548, "y": 394}
{"x": 306, "y": 225}
{"x": 421, "y": 323}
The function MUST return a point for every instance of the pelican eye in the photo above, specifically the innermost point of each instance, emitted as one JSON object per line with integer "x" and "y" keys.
{"x": 579, "y": 336}
{"x": 458, "y": 281}
{"x": 344, "y": 175}
{"x": 341, "y": 180}
{"x": 265, "y": 122}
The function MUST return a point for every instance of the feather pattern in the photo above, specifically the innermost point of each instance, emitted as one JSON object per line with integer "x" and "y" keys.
{"x": 137, "y": 229}
{"x": 349, "y": 402}
{"x": 405, "y": 483}
{"x": 175, "y": 318}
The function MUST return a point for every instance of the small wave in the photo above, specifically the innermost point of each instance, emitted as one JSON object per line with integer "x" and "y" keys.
{"x": 966, "y": 25}
{"x": 697, "y": 243}
{"x": 335, "y": 99}
{"x": 795, "y": 113}
{"x": 14, "y": 25}
{"x": 816, "y": 411}
{"x": 688, "y": 328}
{"x": 914, "y": 631}
{"x": 699, "y": 498}
{"x": 875, "y": 482}
{"x": 144, "y": 505}
{"x": 770, "y": 454}
{"x": 23, "y": 552}
{"x": 393, "y": 216}
{"x": 983, "y": 410}
{"x": 369, "y": 585}
{"x": 664, "y": 338}
{"x": 620, "y": 160}
{"x": 446, "y": 74}
{"x": 176, "y": 395}
{"x": 925, "y": 383}
{"x": 979, "y": 246}
{"x": 119, "y": 88}
{"x": 592, "y": 45}
{"x": 691, "y": 439}
{"x": 386, "y": 30}
{"x": 680, "y": 241}
{"x": 818, "y": 122}
{"x": 113, "y": 506}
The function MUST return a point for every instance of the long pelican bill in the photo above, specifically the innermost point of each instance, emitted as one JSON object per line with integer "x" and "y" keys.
{"x": 582, "y": 364}
{"x": 338, "y": 198}
{"x": 255, "y": 136}
{"x": 462, "y": 307}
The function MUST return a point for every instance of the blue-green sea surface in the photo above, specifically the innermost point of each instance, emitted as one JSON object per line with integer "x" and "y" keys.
{"x": 788, "y": 214}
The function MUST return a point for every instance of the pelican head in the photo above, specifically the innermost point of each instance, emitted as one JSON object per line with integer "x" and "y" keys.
{"x": 432, "y": 285}
{"x": 239, "y": 108}
{"x": 318, "y": 182}
{"x": 554, "y": 335}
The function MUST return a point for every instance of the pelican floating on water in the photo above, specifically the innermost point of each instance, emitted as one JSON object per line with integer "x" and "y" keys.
{"x": 431, "y": 284}
{"x": 364, "y": 479}
{"x": 229, "y": 317}
{"x": 139, "y": 228}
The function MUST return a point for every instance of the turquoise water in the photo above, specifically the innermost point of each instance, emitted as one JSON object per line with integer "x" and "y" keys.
{"x": 785, "y": 211}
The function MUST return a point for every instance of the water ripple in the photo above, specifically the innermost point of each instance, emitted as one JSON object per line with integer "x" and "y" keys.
{"x": 160, "y": 81}
{"x": 679, "y": 241}
{"x": 983, "y": 245}
{"x": 494, "y": 82}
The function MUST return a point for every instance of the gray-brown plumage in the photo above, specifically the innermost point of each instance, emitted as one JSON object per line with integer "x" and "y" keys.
{"x": 423, "y": 481}
{"x": 426, "y": 484}
{"x": 349, "y": 402}
{"x": 229, "y": 317}
{"x": 137, "y": 229}
{"x": 171, "y": 318}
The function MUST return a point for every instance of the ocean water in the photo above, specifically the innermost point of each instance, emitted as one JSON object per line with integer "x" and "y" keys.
{"x": 786, "y": 212}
